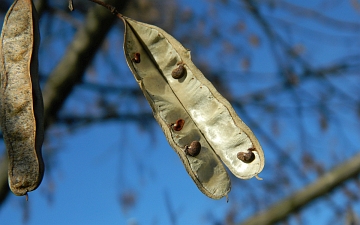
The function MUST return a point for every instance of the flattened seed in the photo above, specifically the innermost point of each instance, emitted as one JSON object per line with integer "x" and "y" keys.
{"x": 21, "y": 109}
{"x": 247, "y": 157}
{"x": 178, "y": 125}
{"x": 193, "y": 149}
{"x": 179, "y": 71}
{"x": 136, "y": 58}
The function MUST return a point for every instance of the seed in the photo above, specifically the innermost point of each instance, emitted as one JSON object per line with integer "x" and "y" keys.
{"x": 136, "y": 58}
{"x": 193, "y": 149}
{"x": 178, "y": 125}
{"x": 247, "y": 157}
{"x": 179, "y": 71}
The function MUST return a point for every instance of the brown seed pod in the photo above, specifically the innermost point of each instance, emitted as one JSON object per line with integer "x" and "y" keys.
{"x": 193, "y": 149}
{"x": 178, "y": 125}
{"x": 247, "y": 157}
{"x": 21, "y": 110}
{"x": 179, "y": 71}
{"x": 136, "y": 58}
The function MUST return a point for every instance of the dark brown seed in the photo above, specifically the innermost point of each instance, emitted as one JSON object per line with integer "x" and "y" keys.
{"x": 247, "y": 157}
{"x": 193, "y": 149}
{"x": 178, "y": 125}
{"x": 136, "y": 58}
{"x": 179, "y": 71}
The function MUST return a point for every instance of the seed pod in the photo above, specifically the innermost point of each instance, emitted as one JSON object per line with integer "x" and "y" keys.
{"x": 178, "y": 125}
{"x": 247, "y": 157}
{"x": 210, "y": 119}
{"x": 193, "y": 149}
{"x": 179, "y": 71}
{"x": 21, "y": 104}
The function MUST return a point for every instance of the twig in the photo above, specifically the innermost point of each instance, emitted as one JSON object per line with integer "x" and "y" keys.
{"x": 111, "y": 8}
{"x": 325, "y": 184}
{"x": 71, "y": 5}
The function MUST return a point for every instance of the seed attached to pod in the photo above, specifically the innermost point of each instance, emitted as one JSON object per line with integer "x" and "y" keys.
{"x": 193, "y": 149}
{"x": 136, "y": 58}
{"x": 179, "y": 71}
{"x": 247, "y": 157}
{"x": 178, "y": 125}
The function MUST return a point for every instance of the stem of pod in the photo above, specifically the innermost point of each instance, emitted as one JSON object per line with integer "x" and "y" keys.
{"x": 194, "y": 149}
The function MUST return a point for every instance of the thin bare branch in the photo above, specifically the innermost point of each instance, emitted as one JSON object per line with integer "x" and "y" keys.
{"x": 319, "y": 188}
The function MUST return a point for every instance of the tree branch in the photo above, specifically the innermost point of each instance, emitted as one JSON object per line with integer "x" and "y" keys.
{"x": 322, "y": 186}
{"x": 79, "y": 54}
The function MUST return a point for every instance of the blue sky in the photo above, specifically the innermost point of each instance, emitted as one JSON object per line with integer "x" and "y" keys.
{"x": 93, "y": 165}
{"x": 88, "y": 183}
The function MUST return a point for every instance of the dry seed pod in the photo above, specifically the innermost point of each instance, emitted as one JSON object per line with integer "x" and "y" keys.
{"x": 169, "y": 100}
{"x": 194, "y": 98}
{"x": 178, "y": 125}
{"x": 206, "y": 169}
{"x": 194, "y": 149}
{"x": 179, "y": 71}
{"x": 21, "y": 110}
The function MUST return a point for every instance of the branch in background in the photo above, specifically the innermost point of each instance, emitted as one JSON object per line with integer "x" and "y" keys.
{"x": 134, "y": 92}
{"x": 320, "y": 187}
{"x": 303, "y": 12}
{"x": 75, "y": 122}
{"x": 288, "y": 83}
{"x": 70, "y": 70}
{"x": 170, "y": 209}
{"x": 334, "y": 69}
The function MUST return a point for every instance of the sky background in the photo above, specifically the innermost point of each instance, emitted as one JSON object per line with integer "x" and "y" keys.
{"x": 88, "y": 183}
{"x": 92, "y": 166}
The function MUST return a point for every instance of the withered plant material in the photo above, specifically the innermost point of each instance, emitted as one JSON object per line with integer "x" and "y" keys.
{"x": 205, "y": 168}
{"x": 175, "y": 88}
{"x": 21, "y": 109}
